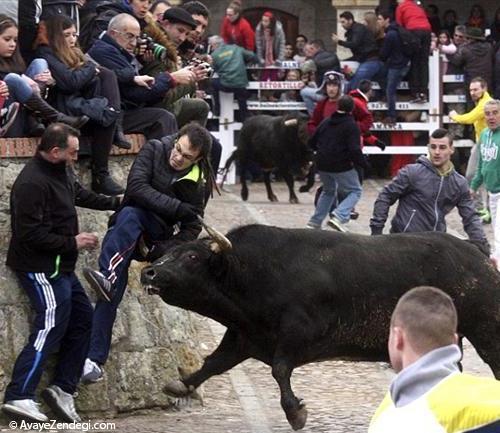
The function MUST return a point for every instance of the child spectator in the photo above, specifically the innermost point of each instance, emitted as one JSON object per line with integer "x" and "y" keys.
{"x": 446, "y": 47}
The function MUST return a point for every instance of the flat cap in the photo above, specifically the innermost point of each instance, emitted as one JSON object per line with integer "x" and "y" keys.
{"x": 179, "y": 15}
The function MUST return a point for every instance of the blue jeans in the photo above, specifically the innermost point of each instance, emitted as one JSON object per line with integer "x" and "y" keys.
{"x": 366, "y": 71}
{"x": 310, "y": 96}
{"x": 118, "y": 250}
{"x": 393, "y": 78}
{"x": 62, "y": 323}
{"x": 347, "y": 182}
{"x": 19, "y": 89}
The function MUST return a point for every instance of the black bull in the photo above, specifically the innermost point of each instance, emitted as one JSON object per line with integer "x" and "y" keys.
{"x": 273, "y": 142}
{"x": 290, "y": 297}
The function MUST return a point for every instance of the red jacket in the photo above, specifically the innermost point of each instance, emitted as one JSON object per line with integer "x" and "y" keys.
{"x": 238, "y": 33}
{"x": 361, "y": 114}
{"x": 411, "y": 16}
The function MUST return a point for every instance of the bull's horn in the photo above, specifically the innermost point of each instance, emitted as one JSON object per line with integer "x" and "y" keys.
{"x": 291, "y": 122}
{"x": 222, "y": 242}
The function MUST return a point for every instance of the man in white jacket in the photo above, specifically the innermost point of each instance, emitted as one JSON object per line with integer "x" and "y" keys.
{"x": 430, "y": 394}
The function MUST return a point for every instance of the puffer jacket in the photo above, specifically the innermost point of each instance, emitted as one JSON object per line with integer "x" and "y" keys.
{"x": 153, "y": 185}
{"x": 424, "y": 198}
{"x": 279, "y": 40}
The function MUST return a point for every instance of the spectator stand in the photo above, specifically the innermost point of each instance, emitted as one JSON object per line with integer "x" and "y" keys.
{"x": 431, "y": 119}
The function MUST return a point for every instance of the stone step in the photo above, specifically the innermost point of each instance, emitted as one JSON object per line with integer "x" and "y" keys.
{"x": 24, "y": 147}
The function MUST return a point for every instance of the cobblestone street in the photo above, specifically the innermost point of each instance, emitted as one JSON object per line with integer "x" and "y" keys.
{"x": 340, "y": 396}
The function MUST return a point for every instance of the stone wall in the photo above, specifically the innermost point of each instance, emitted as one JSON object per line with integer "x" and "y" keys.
{"x": 150, "y": 341}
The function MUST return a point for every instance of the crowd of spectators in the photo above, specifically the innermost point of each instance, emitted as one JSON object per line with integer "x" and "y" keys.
{"x": 137, "y": 75}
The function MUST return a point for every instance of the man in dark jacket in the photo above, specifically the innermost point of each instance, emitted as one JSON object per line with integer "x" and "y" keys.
{"x": 475, "y": 56}
{"x": 165, "y": 193}
{"x": 43, "y": 251}
{"x": 427, "y": 191}
{"x": 396, "y": 63}
{"x": 361, "y": 41}
{"x": 337, "y": 142}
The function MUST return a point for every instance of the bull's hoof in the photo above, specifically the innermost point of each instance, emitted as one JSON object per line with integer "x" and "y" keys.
{"x": 176, "y": 388}
{"x": 244, "y": 195}
{"x": 294, "y": 200}
{"x": 273, "y": 198}
{"x": 297, "y": 419}
{"x": 304, "y": 188}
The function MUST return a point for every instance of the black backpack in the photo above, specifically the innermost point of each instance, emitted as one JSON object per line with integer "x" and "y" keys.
{"x": 410, "y": 43}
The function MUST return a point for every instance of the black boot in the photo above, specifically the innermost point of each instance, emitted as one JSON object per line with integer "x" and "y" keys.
{"x": 120, "y": 140}
{"x": 34, "y": 127}
{"x": 39, "y": 105}
{"x": 103, "y": 183}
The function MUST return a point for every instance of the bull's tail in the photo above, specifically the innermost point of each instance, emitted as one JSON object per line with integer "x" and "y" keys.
{"x": 227, "y": 165}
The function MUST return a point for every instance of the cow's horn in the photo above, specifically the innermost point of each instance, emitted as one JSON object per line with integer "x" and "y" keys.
{"x": 291, "y": 122}
{"x": 222, "y": 242}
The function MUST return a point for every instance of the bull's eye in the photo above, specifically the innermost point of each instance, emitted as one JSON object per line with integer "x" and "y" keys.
{"x": 193, "y": 257}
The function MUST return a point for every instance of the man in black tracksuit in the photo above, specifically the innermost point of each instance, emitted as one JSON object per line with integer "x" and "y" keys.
{"x": 165, "y": 189}
{"x": 43, "y": 251}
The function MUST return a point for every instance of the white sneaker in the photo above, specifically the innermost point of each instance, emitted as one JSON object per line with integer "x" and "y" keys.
{"x": 335, "y": 224}
{"x": 312, "y": 226}
{"x": 92, "y": 372}
{"x": 26, "y": 408}
{"x": 61, "y": 403}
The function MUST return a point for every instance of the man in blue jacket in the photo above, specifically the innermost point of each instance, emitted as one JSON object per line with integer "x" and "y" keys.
{"x": 427, "y": 191}
{"x": 115, "y": 51}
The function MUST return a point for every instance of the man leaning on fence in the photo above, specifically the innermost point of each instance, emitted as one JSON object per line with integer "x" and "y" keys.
{"x": 229, "y": 63}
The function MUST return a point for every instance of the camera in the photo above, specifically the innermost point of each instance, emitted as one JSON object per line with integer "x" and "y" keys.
{"x": 158, "y": 50}
{"x": 198, "y": 63}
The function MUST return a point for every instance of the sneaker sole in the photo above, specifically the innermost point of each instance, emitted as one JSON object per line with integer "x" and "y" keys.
{"x": 336, "y": 227}
{"x": 50, "y": 397}
{"x": 94, "y": 284}
{"x": 15, "y": 411}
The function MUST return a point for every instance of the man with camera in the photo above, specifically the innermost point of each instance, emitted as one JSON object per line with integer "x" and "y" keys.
{"x": 180, "y": 27}
{"x": 116, "y": 51}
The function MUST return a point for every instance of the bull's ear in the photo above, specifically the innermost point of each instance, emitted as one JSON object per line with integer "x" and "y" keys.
{"x": 291, "y": 122}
